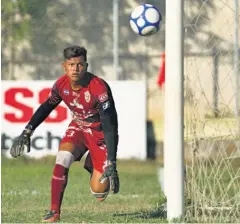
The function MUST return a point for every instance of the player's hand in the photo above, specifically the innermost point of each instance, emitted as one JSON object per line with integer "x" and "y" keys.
{"x": 111, "y": 174}
{"x": 21, "y": 142}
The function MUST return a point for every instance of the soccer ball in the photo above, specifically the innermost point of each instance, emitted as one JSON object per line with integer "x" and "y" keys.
{"x": 145, "y": 20}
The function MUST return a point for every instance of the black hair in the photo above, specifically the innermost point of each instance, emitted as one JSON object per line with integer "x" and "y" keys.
{"x": 74, "y": 51}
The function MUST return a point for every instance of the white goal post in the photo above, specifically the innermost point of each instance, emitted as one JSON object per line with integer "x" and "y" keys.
{"x": 173, "y": 116}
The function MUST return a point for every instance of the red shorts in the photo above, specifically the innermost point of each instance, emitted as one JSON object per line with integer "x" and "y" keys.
{"x": 93, "y": 140}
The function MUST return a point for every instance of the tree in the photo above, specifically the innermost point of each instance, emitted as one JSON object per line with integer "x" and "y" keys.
{"x": 15, "y": 26}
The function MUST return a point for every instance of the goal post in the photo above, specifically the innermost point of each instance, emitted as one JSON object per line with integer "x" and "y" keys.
{"x": 173, "y": 115}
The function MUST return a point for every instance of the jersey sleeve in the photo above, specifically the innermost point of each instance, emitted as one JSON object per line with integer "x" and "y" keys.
{"x": 54, "y": 97}
{"x": 108, "y": 117}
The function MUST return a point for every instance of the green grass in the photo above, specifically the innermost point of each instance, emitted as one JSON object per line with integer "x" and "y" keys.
{"x": 26, "y": 194}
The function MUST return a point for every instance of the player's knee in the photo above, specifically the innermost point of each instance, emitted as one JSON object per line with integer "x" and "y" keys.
{"x": 65, "y": 158}
{"x": 100, "y": 196}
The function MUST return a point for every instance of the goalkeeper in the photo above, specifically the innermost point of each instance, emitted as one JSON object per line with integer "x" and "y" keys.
{"x": 94, "y": 128}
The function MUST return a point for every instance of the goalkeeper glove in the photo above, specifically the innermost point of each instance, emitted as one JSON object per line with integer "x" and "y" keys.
{"x": 111, "y": 173}
{"x": 22, "y": 142}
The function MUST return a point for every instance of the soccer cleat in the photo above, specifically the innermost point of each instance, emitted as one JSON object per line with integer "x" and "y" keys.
{"x": 51, "y": 216}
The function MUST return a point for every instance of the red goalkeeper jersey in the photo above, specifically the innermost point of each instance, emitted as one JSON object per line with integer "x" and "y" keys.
{"x": 85, "y": 103}
{"x": 92, "y": 106}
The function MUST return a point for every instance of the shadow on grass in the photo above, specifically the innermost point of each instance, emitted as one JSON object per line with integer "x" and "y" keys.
{"x": 159, "y": 212}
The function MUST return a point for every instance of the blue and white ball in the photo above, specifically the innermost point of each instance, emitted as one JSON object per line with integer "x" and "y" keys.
{"x": 145, "y": 20}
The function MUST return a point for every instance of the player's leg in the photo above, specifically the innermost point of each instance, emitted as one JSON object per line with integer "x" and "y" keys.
{"x": 97, "y": 158}
{"x": 64, "y": 159}
{"x": 69, "y": 150}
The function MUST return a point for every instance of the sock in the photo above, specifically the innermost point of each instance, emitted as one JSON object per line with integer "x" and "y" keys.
{"x": 59, "y": 183}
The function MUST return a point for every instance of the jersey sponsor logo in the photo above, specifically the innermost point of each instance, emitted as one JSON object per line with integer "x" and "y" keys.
{"x": 103, "y": 97}
{"x": 82, "y": 114}
{"x": 74, "y": 103}
{"x": 106, "y": 105}
{"x": 66, "y": 92}
{"x": 87, "y": 96}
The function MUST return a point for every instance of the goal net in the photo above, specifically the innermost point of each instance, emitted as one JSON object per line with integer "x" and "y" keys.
{"x": 212, "y": 122}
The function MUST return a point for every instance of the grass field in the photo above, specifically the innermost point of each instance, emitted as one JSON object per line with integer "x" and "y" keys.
{"x": 26, "y": 194}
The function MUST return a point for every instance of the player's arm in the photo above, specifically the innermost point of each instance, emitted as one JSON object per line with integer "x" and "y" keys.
{"x": 42, "y": 113}
{"x": 109, "y": 121}
{"x": 108, "y": 116}
{"x": 23, "y": 141}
